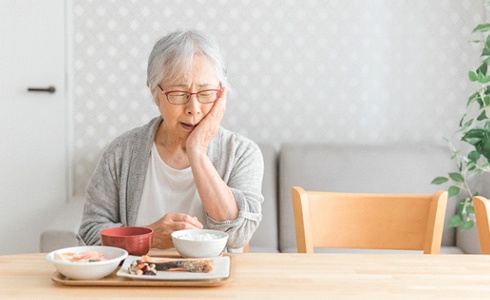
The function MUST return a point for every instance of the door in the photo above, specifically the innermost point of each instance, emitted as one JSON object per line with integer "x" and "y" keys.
{"x": 33, "y": 125}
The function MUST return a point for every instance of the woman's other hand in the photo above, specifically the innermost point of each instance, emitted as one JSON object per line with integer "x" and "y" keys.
{"x": 163, "y": 228}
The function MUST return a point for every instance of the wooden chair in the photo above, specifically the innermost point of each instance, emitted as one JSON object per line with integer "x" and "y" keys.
{"x": 482, "y": 209}
{"x": 368, "y": 221}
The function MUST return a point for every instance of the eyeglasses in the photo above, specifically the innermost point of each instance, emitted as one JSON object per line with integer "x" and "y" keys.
{"x": 182, "y": 97}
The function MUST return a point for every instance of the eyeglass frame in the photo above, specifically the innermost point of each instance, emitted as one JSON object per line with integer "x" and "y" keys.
{"x": 190, "y": 94}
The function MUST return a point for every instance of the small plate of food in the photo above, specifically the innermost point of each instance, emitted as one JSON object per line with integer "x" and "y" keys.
{"x": 149, "y": 268}
{"x": 87, "y": 262}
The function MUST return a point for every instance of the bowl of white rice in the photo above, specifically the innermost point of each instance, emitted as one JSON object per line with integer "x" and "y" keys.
{"x": 199, "y": 243}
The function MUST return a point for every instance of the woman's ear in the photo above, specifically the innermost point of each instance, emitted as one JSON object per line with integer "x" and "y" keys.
{"x": 156, "y": 99}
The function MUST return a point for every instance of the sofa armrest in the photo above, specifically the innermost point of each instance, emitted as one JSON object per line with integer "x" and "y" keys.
{"x": 63, "y": 229}
{"x": 266, "y": 237}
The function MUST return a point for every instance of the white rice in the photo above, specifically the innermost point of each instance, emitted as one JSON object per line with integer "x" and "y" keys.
{"x": 200, "y": 237}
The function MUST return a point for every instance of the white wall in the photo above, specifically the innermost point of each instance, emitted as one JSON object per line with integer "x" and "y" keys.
{"x": 333, "y": 71}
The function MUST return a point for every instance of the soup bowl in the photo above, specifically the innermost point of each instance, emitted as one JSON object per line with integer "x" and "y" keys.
{"x": 135, "y": 240}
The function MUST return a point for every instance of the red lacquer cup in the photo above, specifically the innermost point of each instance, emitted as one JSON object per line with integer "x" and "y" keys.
{"x": 135, "y": 240}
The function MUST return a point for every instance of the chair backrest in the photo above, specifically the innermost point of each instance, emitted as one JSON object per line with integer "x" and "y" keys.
{"x": 482, "y": 208}
{"x": 368, "y": 221}
{"x": 381, "y": 169}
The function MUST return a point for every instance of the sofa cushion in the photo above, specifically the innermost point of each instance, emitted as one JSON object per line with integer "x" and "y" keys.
{"x": 359, "y": 169}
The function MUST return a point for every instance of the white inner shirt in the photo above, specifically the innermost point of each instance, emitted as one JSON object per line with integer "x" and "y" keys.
{"x": 168, "y": 190}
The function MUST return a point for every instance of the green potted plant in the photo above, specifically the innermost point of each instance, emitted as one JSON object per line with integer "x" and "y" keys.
{"x": 472, "y": 152}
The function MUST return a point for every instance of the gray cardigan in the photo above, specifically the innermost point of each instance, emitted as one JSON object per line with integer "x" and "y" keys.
{"x": 115, "y": 189}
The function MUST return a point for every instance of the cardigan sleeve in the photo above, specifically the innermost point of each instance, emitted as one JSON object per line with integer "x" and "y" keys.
{"x": 242, "y": 167}
{"x": 114, "y": 191}
{"x": 101, "y": 208}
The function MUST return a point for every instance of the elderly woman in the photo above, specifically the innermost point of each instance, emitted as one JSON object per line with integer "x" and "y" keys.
{"x": 182, "y": 170}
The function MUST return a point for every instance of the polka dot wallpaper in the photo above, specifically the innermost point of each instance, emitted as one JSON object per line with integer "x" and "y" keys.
{"x": 329, "y": 71}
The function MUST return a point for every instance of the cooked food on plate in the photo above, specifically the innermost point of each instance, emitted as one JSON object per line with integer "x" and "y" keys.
{"x": 148, "y": 266}
{"x": 88, "y": 256}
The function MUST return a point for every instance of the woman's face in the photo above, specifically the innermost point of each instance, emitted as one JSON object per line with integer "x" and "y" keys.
{"x": 180, "y": 120}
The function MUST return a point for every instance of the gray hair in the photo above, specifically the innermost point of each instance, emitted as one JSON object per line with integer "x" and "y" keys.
{"x": 172, "y": 56}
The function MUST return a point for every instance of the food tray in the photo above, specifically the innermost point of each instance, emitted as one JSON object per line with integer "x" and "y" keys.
{"x": 114, "y": 280}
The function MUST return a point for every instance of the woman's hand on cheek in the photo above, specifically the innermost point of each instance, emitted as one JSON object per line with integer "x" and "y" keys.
{"x": 163, "y": 228}
{"x": 207, "y": 129}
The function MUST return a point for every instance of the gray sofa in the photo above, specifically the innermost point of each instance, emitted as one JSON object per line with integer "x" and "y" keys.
{"x": 351, "y": 168}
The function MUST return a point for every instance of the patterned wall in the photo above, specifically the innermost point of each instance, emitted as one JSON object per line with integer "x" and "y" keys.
{"x": 332, "y": 71}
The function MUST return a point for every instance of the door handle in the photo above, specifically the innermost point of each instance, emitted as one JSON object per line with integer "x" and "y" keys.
{"x": 50, "y": 89}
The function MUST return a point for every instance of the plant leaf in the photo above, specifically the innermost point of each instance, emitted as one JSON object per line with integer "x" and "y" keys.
{"x": 439, "y": 180}
{"x": 455, "y": 154}
{"x": 480, "y": 138}
{"x": 480, "y": 77}
{"x": 468, "y": 123}
{"x": 476, "y": 98}
{"x": 482, "y": 116}
{"x": 467, "y": 225}
{"x": 486, "y": 99}
{"x": 471, "y": 99}
{"x": 464, "y": 116}
{"x": 474, "y": 136}
{"x": 481, "y": 28}
{"x": 487, "y": 90}
{"x": 486, "y": 51}
{"x": 483, "y": 68}
{"x": 472, "y": 76}
{"x": 455, "y": 221}
{"x": 474, "y": 155}
{"x": 453, "y": 191}
{"x": 457, "y": 177}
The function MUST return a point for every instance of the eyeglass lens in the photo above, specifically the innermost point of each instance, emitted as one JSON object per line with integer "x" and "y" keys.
{"x": 207, "y": 96}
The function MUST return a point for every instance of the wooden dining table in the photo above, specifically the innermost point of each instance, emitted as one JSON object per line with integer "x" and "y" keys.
{"x": 266, "y": 276}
